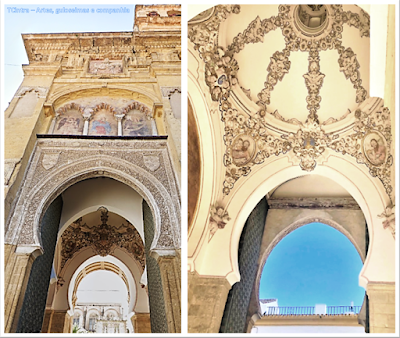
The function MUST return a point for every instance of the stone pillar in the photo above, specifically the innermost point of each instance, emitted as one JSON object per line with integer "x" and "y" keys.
{"x": 158, "y": 318}
{"x": 235, "y": 313}
{"x": 17, "y": 270}
{"x": 119, "y": 118}
{"x": 86, "y": 119}
{"x": 206, "y": 302}
{"x": 33, "y": 307}
{"x": 170, "y": 276}
{"x": 141, "y": 323}
{"x": 382, "y": 307}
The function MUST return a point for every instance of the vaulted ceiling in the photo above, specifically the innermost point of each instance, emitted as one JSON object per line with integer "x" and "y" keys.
{"x": 295, "y": 61}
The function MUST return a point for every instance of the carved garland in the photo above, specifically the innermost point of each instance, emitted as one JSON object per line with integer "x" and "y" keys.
{"x": 102, "y": 238}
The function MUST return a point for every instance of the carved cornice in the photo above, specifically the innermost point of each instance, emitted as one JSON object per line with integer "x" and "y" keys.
{"x": 342, "y": 203}
{"x": 44, "y": 48}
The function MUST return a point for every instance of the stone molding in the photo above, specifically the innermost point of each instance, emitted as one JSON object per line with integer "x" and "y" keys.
{"x": 85, "y": 158}
{"x": 313, "y": 203}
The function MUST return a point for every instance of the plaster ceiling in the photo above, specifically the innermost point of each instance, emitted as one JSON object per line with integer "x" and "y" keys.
{"x": 309, "y": 186}
{"x": 289, "y": 93}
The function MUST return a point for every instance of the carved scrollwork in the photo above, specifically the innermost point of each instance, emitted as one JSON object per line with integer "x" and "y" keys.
{"x": 314, "y": 79}
{"x": 102, "y": 238}
{"x": 349, "y": 66}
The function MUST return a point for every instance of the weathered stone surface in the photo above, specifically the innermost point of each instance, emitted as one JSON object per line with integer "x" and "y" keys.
{"x": 206, "y": 302}
{"x": 382, "y": 307}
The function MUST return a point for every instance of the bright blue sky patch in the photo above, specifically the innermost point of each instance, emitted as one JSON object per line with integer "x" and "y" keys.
{"x": 315, "y": 264}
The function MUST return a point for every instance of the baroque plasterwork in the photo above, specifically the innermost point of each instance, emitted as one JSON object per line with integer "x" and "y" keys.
{"x": 249, "y": 138}
{"x": 389, "y": 220}
{"x": 221, "y": 68}
{"x": 102, "y": 238}
{"x": 219, "y": 217}
{"x": 82, "y": 159}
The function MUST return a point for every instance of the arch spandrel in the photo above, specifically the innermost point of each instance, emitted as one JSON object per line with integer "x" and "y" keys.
{"x": 143, "y": 166}
{"x": 368, "y": 193}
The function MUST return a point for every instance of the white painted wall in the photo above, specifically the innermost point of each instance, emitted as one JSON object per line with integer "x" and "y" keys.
{"x": 87, "y": 196}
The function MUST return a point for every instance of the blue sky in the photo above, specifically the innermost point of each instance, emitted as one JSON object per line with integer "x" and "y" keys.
{"x": 315, "y": 264}
{"x": 17, "y": 23}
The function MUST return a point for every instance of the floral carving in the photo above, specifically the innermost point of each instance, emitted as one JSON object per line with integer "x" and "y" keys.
{"x": 218, "y": 219}
{"x": 389, "y": 220}
{"x": 277, "y": 68}
{"x": 253, "y": 33}
{"x": 308, "y": 144}
{"x": 349, "y": 66}
{"x": 377, "y": 121}
{"x": 102, "y": 238}
{"x": 205, "y": 34}
{"x": 314, "y": 79}
{"x": 362, "y": 22}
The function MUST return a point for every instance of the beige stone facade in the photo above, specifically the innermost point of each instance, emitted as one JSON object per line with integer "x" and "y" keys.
{"x": 96, "y": 123}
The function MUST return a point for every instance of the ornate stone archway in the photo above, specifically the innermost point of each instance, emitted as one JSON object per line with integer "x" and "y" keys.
{"x": 59, "y": 163}
{"x": 144, "y": 165}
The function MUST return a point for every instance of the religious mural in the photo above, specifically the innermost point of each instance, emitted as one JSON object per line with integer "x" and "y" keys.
{"x": 375, "y": 148}
{"x": 70, "y": 124}
{"x": 136, "y": 124}
{"x": 103, "y": 123}
{"x": 243, "y": 149}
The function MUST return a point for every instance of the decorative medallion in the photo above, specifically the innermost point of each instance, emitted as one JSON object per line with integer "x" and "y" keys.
{"x": 152, "y": 162}
{"x": 375, "y": 148}
{"x": 50, "y": 160}
{"x": 243, "y": 150}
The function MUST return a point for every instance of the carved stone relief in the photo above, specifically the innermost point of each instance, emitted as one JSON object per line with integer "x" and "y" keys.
{"x": 82, "y": 159}
{"x": 102, "y": 238}
{"x": 389, "y": 220}
{"x": 218, "y": 219}
{"x": 105, "y": 66}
